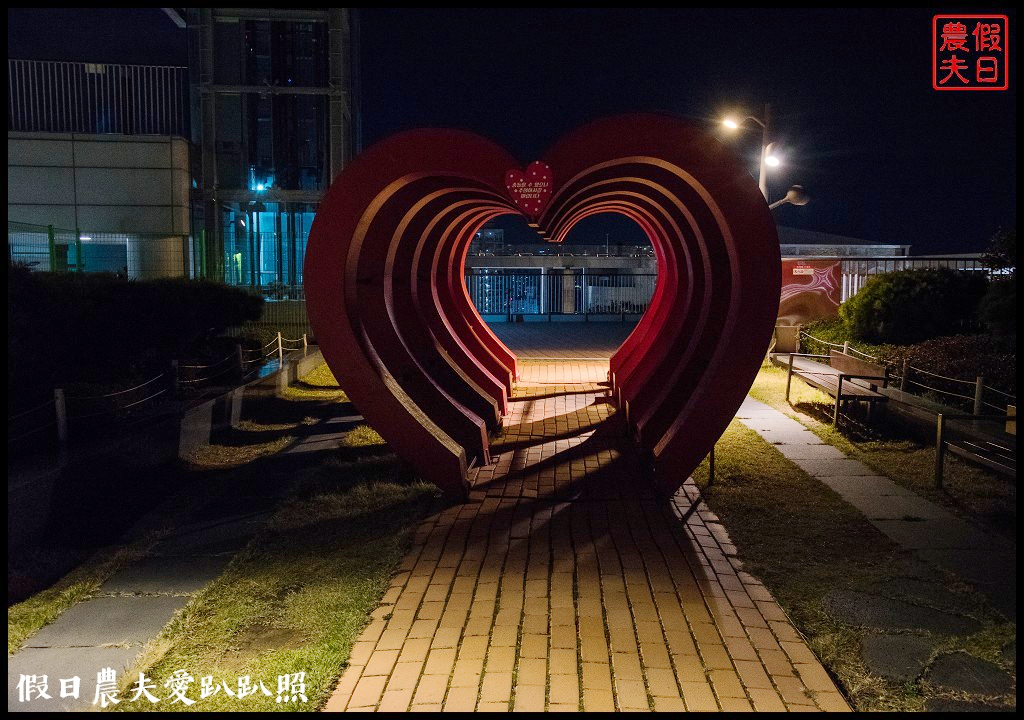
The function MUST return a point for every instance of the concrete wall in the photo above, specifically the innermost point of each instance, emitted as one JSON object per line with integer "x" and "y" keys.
{"x": 133, "y": 184}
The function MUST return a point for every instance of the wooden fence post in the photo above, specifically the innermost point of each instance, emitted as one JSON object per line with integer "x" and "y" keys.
{"x": 940, "y": 449}
{"x": 280, "y": 349}
{"x": 979, "y": 391}
{"x": 62, "y": 417}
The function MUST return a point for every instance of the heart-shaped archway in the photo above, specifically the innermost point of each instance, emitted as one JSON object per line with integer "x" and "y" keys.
{"x": 386, "y": 297}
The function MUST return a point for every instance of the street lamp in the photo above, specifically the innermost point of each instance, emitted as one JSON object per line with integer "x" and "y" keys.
{"x": 794, "y": 196}
{"x": 733, "y": 124}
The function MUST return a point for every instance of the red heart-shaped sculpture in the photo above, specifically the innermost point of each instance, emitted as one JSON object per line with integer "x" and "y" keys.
{"x": 530, "y": 190}
{"x": 387, "y": 300}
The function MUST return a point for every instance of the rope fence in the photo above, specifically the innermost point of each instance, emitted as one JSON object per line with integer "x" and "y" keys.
{"x": 976, "y": 401}
{"x": 121, "y": 405}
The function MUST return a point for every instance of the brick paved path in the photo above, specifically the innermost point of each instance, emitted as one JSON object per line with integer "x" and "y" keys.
{"x": 564, "y": 584}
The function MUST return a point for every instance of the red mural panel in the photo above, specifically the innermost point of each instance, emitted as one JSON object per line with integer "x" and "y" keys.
{"x": 811, "y": 290}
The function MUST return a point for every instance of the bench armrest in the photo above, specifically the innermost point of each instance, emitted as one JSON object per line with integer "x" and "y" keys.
{"x": 862, "y": 377}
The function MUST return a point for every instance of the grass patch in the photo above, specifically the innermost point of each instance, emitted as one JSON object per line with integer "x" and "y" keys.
{"x": 297, "y": 597}
{"x": 208, "y": 457}
{"x": 319, "y": 384}
{"x": 803, "y": 541}
{"x": 967, "y": 489}
{"x": 24, "y": 619}
{"x": 362, "y": 436}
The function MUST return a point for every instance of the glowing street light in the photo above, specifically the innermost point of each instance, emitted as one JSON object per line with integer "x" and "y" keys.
{"x": 769, "y": 158}
{"x": 733, "y": 124}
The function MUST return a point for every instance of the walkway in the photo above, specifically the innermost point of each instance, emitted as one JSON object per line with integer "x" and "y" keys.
{"x": 110, "y": 628}
{"x": 936, "y": 535}
{"x": 564, "y": 583}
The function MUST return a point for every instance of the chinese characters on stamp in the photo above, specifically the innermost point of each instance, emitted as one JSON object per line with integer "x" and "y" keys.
{"x": 970, "y": 52}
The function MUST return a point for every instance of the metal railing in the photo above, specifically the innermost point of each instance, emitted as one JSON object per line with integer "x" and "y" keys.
{"x": 78, "y": 97}
{"x": 496, "y": 292}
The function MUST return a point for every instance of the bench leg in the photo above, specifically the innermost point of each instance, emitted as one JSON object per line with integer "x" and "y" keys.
{"x": 940, "y": 449}
{"x": 789, "y": 376}
{"x": 839, "y": 402}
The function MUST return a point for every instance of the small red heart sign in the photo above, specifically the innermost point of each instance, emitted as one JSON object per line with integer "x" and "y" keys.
{"x": 530, "y": 190}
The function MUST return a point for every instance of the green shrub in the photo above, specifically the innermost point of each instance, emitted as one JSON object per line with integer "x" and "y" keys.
{"x": 96, "y": 327}
{"x": 913, "y": 305}
{"x": 998, "y": 309}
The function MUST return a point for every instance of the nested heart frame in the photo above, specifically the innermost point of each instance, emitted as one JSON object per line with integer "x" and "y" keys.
{"x": 387, "y": 301}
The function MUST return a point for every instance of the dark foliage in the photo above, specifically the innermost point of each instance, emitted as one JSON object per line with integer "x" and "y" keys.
{"x": 913, "y": 305}
{"x": 75, "y": 328}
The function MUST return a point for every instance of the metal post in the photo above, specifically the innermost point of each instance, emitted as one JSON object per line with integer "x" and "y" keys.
{"x": 762, "y": 178}
{"x": 62, "y": 417}
{"x": 305, "y": 343}
{"x": 280, "y": 349}
{"x": 789, "y": 376}
{"x": 940, "y": 449}
{"x": 903, "y": 377}
{"x": 839, "y": 395}
{"x": 53, "y": 247}
{"x": 979, "y": 391}
{"x": 711, "y": 467}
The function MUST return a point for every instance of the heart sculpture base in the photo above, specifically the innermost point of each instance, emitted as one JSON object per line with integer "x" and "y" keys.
{"x": 387, "y": 301}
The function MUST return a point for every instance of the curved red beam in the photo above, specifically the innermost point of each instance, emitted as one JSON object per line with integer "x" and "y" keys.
{"x": 387, "y": 299}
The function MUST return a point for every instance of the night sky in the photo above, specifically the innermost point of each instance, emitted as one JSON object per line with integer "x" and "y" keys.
{"x": 883, "y": 156}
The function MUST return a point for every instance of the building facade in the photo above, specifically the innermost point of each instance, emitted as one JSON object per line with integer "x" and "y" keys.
{"x": 98, "y": 168}
{"x": 272, "y": 93}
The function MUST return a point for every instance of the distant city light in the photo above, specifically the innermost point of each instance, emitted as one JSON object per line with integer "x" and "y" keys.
{"x": 85, "y": 237}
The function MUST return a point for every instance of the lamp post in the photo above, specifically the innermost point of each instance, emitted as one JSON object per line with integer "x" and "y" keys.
{"x": 794, "y": 196}
{"x": 766, "y": 156}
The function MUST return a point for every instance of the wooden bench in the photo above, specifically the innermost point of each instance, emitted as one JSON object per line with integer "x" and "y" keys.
{"x": 998, "y": 454}
{"x": 845, "y": 377}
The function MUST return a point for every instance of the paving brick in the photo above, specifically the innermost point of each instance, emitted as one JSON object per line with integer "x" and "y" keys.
{"x": 731, "y": 704}
{"x": 698, "y": 697}
{"x": 726, "y": 684}
{"x": 813, "y": 675}
{"x": 766, "y": 700}
{"x": 520, "y": 582}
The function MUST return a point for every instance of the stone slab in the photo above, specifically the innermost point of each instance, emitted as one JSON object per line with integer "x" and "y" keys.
{"x": 774, "y": 423}
{"x": 58, "y": 663}
{"x": 927, "y": 592}
{"x": 791, "y": 437}
{"x": 167, "y": 574}
{"x": 865, "y": 485}
{"x": 210, "y": 538}
{"x": 896, "y": 507}
{"x": 966, "y": 673}
{"x": 993, "y": 572}
{"x": 863, "y": 609}
{"x": 896, "y": 657}
{"x": 109, "y": 621}
{"x": 845, "y": 467}
{"x": 810, "y": 452}
{"x": 931, "y": 534}
{"x": 948, "y": 705}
